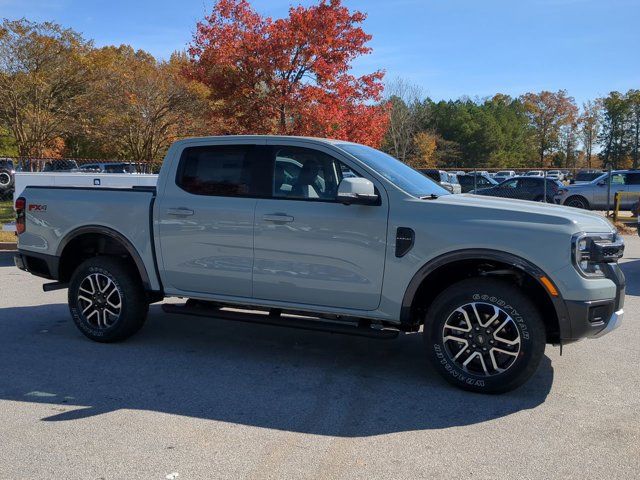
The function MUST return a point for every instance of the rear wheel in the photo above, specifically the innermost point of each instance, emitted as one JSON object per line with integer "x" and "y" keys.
{"x": 577, "y": 202}
{"x": 484, "y": 335}
{"x": 107, "y": 300}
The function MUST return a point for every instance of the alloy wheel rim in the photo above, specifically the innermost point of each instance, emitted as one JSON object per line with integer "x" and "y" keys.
{"x": 482, "y": 339}
{"x": 100, "y": 301}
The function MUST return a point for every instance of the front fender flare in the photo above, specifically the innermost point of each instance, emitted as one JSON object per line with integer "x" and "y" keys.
{"x": 520, "y": 263}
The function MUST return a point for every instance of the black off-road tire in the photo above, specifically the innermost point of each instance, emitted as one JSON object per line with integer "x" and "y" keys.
{"x": 489, "y": 295}
{"x": 125, "y": 281}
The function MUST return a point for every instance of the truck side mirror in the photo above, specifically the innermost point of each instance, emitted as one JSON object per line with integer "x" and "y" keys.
{"x": 358, "y": 191}
{"x": 601, "y": 183}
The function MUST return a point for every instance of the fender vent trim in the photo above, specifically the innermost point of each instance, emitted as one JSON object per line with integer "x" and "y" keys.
{"x": 405, "y": 238}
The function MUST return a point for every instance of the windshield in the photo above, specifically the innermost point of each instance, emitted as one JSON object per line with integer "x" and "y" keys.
{"x": 401, "y": 175}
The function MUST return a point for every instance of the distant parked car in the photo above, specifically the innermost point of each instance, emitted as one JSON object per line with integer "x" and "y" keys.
{"x": 502, "y": 175}
{"x": 472, "y": 182}
{"x": 586, "y": 176}
{"x": 555, "y": 175}
{"x": 455, "y": 184}
{"x": 60, "y": 166}
{"x": 524, "y": 188}
{"x": 593, "y": 195}
{"x": 439, "y": 176}
{"x": 109, "y": 167}
{"x": 535, "y": 173}
{"x": 7, "y": 177}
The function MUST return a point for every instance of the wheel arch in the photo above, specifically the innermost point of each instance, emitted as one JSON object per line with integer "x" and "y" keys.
{"x": 444, "y": 270}
{"x": 100, "y": 240}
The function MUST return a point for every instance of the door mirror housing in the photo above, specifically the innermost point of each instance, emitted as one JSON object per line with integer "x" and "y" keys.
{"x": 359, "y": 191}
{"x": 601, "y": 183}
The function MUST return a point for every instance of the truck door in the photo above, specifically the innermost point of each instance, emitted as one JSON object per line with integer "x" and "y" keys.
{"x": 205, "y": 220}
{"x": 618, "y": 184}
{"x": 309, "y": 248}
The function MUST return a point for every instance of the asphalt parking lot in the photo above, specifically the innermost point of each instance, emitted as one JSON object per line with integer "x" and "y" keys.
{"x": 194, "y": 398}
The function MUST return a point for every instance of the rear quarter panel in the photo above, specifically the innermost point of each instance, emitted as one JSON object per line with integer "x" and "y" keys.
{"x": 53, "y": 214}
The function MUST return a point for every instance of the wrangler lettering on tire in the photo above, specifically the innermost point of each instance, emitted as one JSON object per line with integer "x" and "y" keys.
{"x": 485, "y": 335}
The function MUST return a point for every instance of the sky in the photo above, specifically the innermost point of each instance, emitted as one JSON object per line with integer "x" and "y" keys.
{"x": 450, "y": 48}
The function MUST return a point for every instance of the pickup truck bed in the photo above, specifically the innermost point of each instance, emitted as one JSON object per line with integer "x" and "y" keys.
{"x": 124, "y": 213}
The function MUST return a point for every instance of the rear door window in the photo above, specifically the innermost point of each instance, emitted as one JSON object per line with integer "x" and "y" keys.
{"x": 633, "y": 178}
{"x": 221, "y": 170}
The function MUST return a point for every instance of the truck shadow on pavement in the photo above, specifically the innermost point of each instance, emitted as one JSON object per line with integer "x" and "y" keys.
{"x": 261, "y": 376}
{"x": 631, "y": 270}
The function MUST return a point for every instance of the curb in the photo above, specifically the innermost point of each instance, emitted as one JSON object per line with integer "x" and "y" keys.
{"x": 8, "y": 246}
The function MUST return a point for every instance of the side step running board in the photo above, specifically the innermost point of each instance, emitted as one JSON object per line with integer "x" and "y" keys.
{"x": 274, "y": 318}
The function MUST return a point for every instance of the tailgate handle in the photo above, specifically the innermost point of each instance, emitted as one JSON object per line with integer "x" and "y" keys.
{"x": 179, "y": 211}
{"x": 277, "y": 217}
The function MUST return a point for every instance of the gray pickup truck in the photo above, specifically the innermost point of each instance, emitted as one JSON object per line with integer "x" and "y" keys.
{"x": 329, "y": 235}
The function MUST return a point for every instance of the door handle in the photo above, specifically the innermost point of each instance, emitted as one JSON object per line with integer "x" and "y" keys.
{"x": 180, "y": 211}
{"x": 277, "y": 217}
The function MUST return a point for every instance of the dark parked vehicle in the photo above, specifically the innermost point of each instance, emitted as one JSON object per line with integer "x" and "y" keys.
{"x": 7, "y": 177}
{"x": 523, "y": 188}
{"x": 440, "y": 177}
{"x": 586, "y": 176}
{"x": 109, "y": 167}
{"x": 60, "y": 166}
{"x": 474, "y": 182}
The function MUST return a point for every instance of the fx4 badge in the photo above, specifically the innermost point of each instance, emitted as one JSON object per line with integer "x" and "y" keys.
{"x": 37, "y": 208}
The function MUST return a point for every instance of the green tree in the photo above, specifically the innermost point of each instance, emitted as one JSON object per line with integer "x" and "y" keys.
{"x": 614, "y": 129}
{"x": 633, "y": 98}
{"x": 589, "y": 124}
{"x": 548, "y": 112}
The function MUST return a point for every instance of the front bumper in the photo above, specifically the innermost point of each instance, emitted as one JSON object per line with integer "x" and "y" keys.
{"x": 593, "y": 319}
{"x": 614, "y": 322}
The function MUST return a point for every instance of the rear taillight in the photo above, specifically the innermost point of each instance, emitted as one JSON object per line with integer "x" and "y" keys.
{"x": 21, "y": 205}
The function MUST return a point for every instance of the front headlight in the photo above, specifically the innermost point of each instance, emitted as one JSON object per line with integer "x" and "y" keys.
{"x": 591, "y": 250}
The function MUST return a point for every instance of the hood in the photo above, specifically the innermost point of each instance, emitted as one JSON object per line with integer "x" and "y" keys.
{"x": 525, "y": 210}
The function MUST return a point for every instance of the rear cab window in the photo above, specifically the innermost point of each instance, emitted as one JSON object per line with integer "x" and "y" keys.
{"x": 224, "y": 170}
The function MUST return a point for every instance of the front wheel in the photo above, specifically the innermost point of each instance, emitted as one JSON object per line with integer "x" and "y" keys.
{"x": 107, "y": 300}
{"x": 577, "y": 202}
{"x": 484, "y": 335}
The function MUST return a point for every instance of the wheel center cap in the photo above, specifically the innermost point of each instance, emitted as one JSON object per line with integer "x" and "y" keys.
{"x": 480, "y": 339}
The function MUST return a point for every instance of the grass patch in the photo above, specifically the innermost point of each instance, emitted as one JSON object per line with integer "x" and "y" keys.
{"x": 7, "y": 237}
{"x": 6, "y": 212}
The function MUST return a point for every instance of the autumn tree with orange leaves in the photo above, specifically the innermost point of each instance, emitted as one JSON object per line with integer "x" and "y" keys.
{"x": 290, "y": 75}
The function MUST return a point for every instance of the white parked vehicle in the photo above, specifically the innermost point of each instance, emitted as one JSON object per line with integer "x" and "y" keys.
{"x": 555, "y": 175}
{"x": 503, "y": 175}
{"x": 535, "y": 173}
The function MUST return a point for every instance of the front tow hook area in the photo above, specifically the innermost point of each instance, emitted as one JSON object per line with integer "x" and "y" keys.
{"x": 614, "y": 322}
